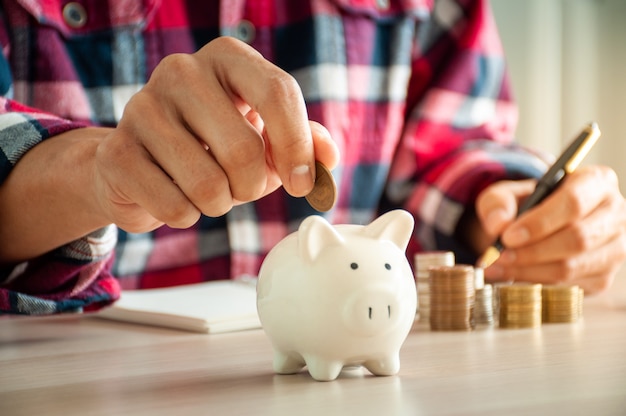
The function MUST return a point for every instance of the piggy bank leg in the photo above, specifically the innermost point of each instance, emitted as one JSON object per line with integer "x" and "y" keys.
{"x": 323, "y": 370}
{"x": 385, "y": 366}
{"x": 287, "y": 364}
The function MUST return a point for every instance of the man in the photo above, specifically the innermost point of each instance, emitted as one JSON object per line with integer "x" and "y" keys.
{"x": 408, "y": 101}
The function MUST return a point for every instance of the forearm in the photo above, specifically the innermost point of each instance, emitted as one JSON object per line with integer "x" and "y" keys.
{"x": 49, "y": 199}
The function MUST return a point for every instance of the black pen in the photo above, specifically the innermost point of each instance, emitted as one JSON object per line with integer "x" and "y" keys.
{"x": 566, "y": 163}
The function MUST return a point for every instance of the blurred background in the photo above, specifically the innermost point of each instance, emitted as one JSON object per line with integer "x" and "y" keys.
{"x": 567, "y": 61}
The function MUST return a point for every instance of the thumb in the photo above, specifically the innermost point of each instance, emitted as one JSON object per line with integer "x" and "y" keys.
{"x": 326, "y": 150}
{"x": 497, "y": 205}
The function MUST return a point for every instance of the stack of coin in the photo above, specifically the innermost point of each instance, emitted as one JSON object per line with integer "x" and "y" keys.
{"x": 423, "y": 262}
{"x": 452, "y": 296}
{"x": 483, "y": 305}
{"x": 561, "y": 303}
{"x": 496, "y": 297}
{"x": 519, "y": 305}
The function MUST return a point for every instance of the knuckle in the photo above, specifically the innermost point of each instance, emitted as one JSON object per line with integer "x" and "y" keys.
{"x": 284, "y": 83}
{"x": 612, "y": 178}
{"x": 185, "y": 222}
{"x": 281, "y": 86}
{"x": 211, "y": 194}
{"x": 575, "y": 205}
{"x": 604, "y": 174}
{"x": 206, "y": 188}
{"x": 567, "y": 270}
{"x": 223, "y": 43}
{"x": 223, "y": 50}
{"x": 173, "y": 67}
{"x": 606, "y": 178}
{"x": 178, "y": 215}
{"x": 242, "y": 154}
{"x": 245, "y": 169}
{"x": 143, "y": 108}
{"x": 176, "y": 62}
{"x": 580, "y": 240}
{"x": 246, "y": 191}
{"x": 250, "y": 192}
{"x": 218, "y": 207}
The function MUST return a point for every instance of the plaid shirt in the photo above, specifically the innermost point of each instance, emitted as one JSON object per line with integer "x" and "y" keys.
{"x": 414, "y": 93}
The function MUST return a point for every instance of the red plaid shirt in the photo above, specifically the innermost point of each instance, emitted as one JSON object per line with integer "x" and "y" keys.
{"x": 414, "y": 92}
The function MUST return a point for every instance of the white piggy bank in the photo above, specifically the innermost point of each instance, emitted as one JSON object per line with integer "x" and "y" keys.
{"x": 334, "y": 296}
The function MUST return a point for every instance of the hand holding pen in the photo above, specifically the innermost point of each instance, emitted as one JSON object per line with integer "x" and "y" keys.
{"x": 570, "y": 227}
{"x": 565, "y": 164}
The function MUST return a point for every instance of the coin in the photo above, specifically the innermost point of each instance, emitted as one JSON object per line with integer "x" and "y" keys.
{"x": 561, "y": 303}
{"x": 324, "y": 194}
{"x": 423, "y": 261}
{"x": 519, "y": 305}
{"x": 452, "y": 297}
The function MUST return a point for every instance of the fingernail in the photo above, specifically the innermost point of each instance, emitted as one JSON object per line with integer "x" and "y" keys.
{"x": 517, "y": 236}
{"x": 301, "y": 179}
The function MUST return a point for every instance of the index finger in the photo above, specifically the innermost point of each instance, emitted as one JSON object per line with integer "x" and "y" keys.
{"x": 577, "y": 197}
{"x": 277, "y": 97}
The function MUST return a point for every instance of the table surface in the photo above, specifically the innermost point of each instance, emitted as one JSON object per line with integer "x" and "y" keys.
{"x": 80, "y": 364}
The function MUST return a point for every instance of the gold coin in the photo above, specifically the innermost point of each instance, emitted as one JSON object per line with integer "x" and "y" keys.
{"x": 560, "y": 293}
{"x": 521, "y": 307}
{"x": 521, "y": 288}
{"x": 457, "y": 270}
{"x": 324, "y": 194}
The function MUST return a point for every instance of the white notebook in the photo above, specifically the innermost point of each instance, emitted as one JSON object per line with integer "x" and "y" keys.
{"x": 210, "y": 307}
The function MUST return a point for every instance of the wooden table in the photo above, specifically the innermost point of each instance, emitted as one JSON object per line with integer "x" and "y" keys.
{"x": 84, "y": 365}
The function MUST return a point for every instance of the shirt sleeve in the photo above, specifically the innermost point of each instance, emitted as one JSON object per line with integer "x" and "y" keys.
{"x": 459, "y": 127}
{"x": 72, "y": 278}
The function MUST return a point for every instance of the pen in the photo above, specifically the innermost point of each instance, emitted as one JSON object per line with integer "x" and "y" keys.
{"x": 566, "y": 163}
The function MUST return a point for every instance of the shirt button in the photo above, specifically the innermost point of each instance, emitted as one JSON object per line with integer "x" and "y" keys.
{"x": 75, "y": 15}
{"x": 245, "y": 31}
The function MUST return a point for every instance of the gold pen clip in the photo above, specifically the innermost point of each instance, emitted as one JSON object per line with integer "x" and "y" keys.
{"x": 592, "y": 137}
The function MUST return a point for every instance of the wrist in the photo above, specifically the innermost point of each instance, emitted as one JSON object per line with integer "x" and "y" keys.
{"x": 50, "y": 199}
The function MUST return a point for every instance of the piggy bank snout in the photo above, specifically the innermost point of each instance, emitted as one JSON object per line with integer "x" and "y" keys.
{"x": 372, "y": 311}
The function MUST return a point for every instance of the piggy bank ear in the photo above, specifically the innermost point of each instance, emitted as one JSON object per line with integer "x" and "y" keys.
{"x": 314, "y": 234}
{"x": 395, "y": 226}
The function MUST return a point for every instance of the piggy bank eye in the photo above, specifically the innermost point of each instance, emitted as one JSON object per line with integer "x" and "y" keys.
{"x": 354, "y": 266}
{"x": 387, "y": 266}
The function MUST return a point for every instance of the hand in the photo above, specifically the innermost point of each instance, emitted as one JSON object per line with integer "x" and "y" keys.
{"x": 208, "y": 131}
{"x": 577, "y": 235}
